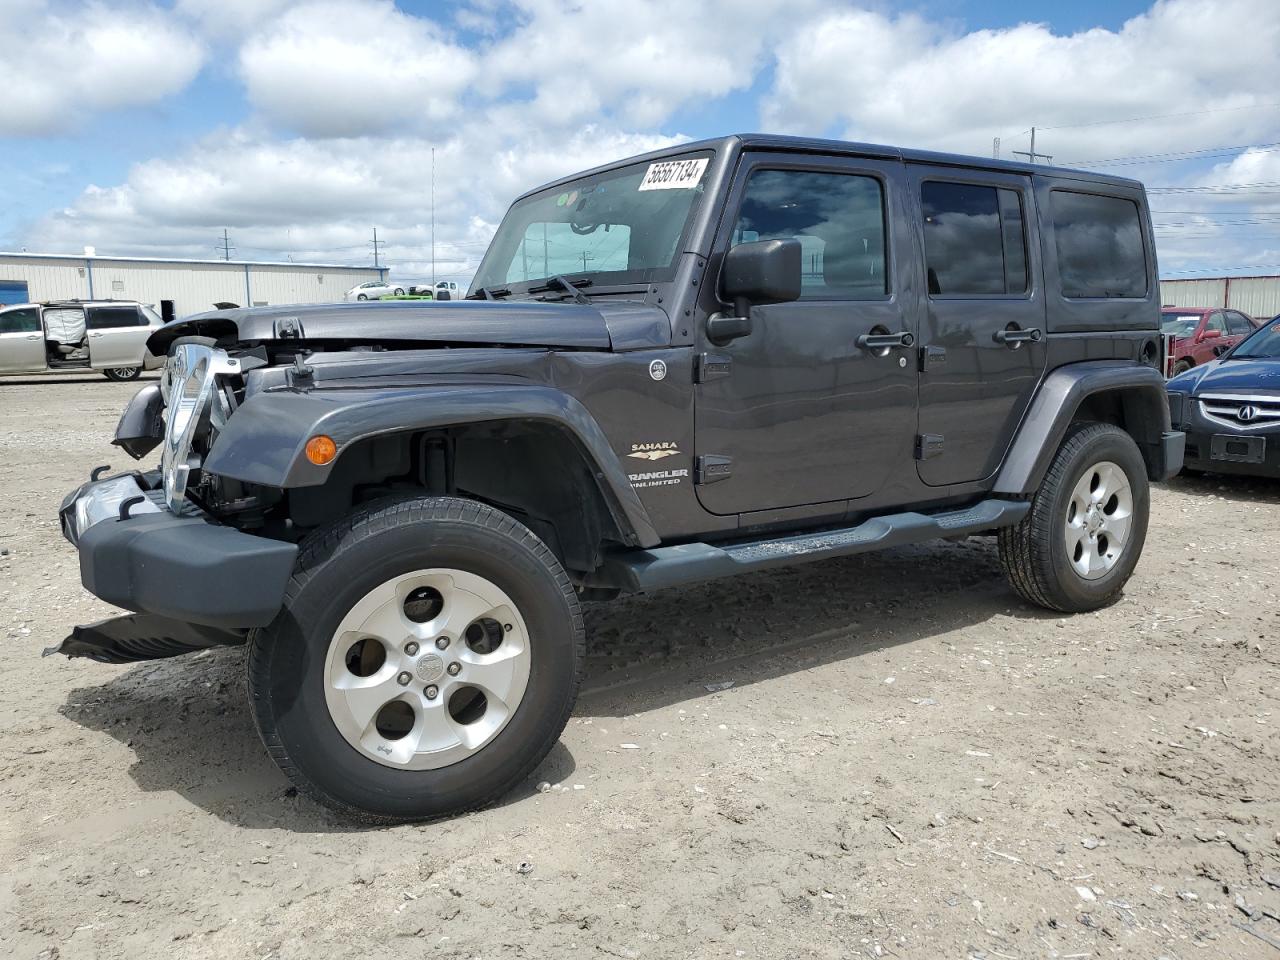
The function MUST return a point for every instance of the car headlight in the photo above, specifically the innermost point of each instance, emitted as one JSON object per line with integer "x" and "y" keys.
{"x": 189, "y": 383}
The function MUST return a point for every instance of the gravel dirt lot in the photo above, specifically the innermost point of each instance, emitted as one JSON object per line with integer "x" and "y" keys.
{"x": 932, "y": 772}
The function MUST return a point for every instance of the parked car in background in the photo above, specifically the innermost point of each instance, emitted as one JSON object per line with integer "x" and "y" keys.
{"x": 1230, "y": 408}
{"x": 106, "y": 335}
{"x": 1201, "y": 334}
{"x": 441, "y": 290}
{"x": 372, "y": 290}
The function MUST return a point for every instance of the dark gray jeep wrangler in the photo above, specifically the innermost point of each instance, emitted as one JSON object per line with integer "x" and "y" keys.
{"x": 699, "y": 363}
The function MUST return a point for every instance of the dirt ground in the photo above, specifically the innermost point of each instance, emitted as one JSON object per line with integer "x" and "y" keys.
{"x": 935, "y": 772}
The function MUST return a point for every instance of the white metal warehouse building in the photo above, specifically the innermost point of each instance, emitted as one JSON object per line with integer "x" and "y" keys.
{"x": 193, "y": 286}
{"x": 1257, "y": 296}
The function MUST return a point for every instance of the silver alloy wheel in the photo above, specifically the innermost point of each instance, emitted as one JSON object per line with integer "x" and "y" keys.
{"x": 427, "y": 668}
{"x": 1099, "y": 517}
{"x": 124, "y": 373}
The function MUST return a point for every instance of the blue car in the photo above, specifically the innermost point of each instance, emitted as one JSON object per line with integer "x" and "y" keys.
{"x": 1230, "y": 408}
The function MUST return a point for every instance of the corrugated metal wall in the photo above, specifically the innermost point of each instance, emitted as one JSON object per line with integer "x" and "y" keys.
{"x": 193, "y": 287}
{"x": 1257, "y": 296}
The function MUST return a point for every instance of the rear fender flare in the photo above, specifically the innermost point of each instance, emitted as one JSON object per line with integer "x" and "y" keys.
{"x": 1141, "y": 391}
{"x": 264, "y": 443}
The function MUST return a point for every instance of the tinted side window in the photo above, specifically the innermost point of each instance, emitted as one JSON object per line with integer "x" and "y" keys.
{"x": 101, "y": 318}
{"x": 1099, "y": 241}
{"x": 974, "y": 239}
{"x": 1216, "y": 322}
{"x": 20, "y": 321}
{"x": 1238, "y": 324}
{"x": 838, "y": 219}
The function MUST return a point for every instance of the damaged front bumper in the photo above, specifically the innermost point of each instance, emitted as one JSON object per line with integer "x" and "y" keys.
{"x": 191, "y": 580}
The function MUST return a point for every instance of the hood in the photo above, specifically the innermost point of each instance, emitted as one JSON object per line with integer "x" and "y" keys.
{"x": 525, "y": 323}
{"x": 1232, "y": 376}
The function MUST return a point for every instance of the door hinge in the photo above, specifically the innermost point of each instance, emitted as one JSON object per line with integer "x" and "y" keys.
{"x": 931, "y": 357}
{"x": 711, "y": 469}
{"x": 711, "y": 366}
{"x": 928, "y": 446}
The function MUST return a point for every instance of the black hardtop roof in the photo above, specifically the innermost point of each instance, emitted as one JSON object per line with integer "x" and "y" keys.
{"x": 815, "y": 145}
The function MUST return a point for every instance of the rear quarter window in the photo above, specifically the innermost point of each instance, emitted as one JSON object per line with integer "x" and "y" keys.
{"x": 102, "y": 318}
{"x": 1099, "y": 246}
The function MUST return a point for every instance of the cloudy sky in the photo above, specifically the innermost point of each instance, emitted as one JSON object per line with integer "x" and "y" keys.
{"x": 146, "y": 128}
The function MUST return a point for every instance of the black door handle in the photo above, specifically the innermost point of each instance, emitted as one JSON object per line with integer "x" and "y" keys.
{"x": 885, "y": 341}
{"x": 1015, "y": 337}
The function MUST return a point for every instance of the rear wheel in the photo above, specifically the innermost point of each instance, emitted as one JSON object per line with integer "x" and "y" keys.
{"x": 427, "y": 658}
{"x": 1182, "y": 366}
{"x": 122, "y": 374}
{"x": 399, "y": 292}
{"x": 1078, "y": 545}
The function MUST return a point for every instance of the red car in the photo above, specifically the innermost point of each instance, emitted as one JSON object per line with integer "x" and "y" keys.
{"x": 1201, "y": 334}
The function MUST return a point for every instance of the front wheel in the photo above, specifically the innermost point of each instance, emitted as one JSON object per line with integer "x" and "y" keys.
{"x": 399, "y": 292}
{"x": 122, "y": 374}
{"x": 1079, "y": 543}
{"x": 361, "y": 296}
{"x": 426, "y": 660}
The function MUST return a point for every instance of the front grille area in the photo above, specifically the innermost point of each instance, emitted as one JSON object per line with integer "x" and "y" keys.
{"x": 1241, "y": 412}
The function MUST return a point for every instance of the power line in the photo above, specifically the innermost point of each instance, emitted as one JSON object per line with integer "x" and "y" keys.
{"x": 225, "y": 246}
{"x": 1031, "y": 154}
{"x": 1165, "y": 116}
{"x": 1207, "y": 153}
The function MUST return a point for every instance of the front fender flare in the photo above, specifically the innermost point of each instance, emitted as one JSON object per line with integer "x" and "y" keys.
{"x": 1059, "y": 398}
{"x": 264, "y": 442}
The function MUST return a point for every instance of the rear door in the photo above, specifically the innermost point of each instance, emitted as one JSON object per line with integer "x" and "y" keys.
{"x": 117, "y": 335}
{"x": 1238, "y": 327}
{"x": 982, "y": 339}
{"x": 21, "y": 340}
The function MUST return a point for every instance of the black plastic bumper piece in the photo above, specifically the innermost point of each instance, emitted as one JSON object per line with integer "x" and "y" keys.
{"x": 638, "y": 570}
{"x": 186, "y": 569}
{"x": 1173, "y": 445}
{"x": 141, "y": 636}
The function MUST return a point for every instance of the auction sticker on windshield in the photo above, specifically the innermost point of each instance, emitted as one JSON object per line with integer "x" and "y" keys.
{"x": 674, "y": 174}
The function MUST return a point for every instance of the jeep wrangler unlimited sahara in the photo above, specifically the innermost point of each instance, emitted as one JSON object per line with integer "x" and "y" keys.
{"x": 702, "y": 362}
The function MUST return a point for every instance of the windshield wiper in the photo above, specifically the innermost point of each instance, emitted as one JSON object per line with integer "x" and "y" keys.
{"x": 490, "y": 293}
{"x": 561, "y": 282}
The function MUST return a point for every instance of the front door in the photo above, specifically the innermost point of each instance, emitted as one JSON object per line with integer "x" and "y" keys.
{"x": 802, "y": 410}
{"x": 21, "y": 340}
{"x": 983, "y": 343}
{"x": 117, "y": 336}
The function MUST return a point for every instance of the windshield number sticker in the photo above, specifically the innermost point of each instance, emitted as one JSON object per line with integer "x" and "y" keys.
{"x": 674, "y": 174}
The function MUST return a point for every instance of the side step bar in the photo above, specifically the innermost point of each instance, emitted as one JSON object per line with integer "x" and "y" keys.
{"x": 640, "y": 570}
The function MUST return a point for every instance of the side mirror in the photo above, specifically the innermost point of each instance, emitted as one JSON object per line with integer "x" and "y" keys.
{"x": 764, "y": 271}
{"x": 1210, "y": 334}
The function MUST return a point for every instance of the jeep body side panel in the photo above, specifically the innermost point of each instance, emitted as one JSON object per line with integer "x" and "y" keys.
{"x": 1060, "y": 397}
{"x": 264, "y": 442}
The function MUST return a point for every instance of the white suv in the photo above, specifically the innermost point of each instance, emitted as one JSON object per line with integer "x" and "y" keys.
{"x": 106, "y": 335}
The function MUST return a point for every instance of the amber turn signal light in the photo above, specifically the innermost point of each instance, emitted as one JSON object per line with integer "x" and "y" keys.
{"x": 321, "y": 450}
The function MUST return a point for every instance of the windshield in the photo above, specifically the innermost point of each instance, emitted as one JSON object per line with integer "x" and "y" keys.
{"x": 1263, "y": 345}
{"x": 620, "y": 226}
{"x": 1179, "y": 324}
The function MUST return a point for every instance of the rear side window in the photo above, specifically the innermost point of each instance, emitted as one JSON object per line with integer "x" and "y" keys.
{"x": 974, "y": 239}
{"x": 26, "y": 320}
{"x": 102, "y": 318}
{"x": 838, "y": 219}
{"x": 1099, "y": 241}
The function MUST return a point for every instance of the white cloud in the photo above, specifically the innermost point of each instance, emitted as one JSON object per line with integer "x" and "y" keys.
{"x": 319, "y": 200}
{"x": 910, "y": 81}
{"x": 336, "y": 68}
{"x": 228, "y": 20}
{"x": 59, "y": 65}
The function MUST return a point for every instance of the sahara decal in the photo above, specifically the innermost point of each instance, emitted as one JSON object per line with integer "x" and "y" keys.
{"x": 653, "y": 451}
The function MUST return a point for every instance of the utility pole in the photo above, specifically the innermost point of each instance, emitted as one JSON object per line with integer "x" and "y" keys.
{"x": 1031, "y": 154}
{"x": 225, "y": 246}
{"x": 546, "y": 252}
{"x": 433, "y": 220}
{"x": 376, "y": 244}
{"x": 585, "y": 257}
{"x": 995, "y": 148}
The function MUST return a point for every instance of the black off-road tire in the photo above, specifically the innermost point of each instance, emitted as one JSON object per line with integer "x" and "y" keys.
{"x": 337, "y": 566}
{"x": 1182, "y": 366}
{"x": 1034, "y": 554}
